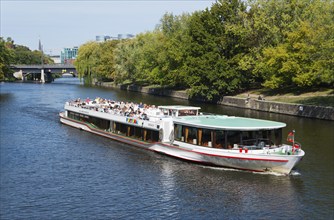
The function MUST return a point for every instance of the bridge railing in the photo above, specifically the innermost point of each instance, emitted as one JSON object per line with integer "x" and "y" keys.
{"x": 49, "y": 66}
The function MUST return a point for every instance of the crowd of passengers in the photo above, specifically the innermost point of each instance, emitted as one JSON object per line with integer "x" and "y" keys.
{"x": 128, "y": 109}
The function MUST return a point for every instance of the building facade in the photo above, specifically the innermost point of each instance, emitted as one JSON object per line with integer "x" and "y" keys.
{"x": 103, "y": 38}
{"x": 68, "y": 55}
{"x": 56, "y": 59}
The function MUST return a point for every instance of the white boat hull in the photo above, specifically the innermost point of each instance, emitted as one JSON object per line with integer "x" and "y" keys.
{"x": 252, "y": 160}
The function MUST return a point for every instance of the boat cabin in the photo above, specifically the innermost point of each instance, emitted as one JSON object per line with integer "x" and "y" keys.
{"x": 179, "y": 110}
{"x": 227, "y": 132}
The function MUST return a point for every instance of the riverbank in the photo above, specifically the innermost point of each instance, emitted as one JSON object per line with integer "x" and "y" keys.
{"x": 254, "y": 101}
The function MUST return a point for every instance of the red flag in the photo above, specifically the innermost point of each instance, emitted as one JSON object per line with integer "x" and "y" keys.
{"x": 297, "y": 146}
{"x": 291, "y": 137}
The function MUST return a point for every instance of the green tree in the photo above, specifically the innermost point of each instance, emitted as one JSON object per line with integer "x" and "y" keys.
{"x": 86, "y": 62}
{"x": 173, "y": 37}
{"x": 125, "y": 68}
{"x": 303, "y": 54}
{"x": 23, "y": 55}
{"x": 233, "y": 46}
{"x": 105, "y": 61}
{"x": 148, "y": 48}
{"x": 214, "y": 48}
{"x": 6, "y": 57}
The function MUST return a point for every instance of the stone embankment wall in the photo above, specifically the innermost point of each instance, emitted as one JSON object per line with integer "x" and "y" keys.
{"x": 308, "y": 111}
{"x": 326, "y": 113}
{"x": 152, "y": 91}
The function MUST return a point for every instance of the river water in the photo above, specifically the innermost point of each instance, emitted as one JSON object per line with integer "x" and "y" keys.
{"x": 53, "y": 171}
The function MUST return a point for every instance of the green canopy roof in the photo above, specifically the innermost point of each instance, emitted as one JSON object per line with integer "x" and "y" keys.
{"x": 228, "y": 123}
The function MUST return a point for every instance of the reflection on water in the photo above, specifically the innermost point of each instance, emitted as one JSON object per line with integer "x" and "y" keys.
{"x": 49, "y": 170}
{"x": 235, "y": 192}
{"x": 68, "y": 80}
{"x": 4, "y": 97}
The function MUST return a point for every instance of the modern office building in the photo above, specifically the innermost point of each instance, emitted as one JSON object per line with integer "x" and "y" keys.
{"x": 124, "y": 36}
{"x": 103, "y": 38}
{"x": 68, "y": 55}
{"x": 56, "y": 58}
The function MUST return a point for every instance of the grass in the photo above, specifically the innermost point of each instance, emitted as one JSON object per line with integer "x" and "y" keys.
{"x": 317, "y": 97}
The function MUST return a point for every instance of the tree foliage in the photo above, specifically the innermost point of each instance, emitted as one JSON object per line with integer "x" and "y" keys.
{"x": 232, "y": 46}
{"x": 96, "y": 61}
{"x": 11, "y": 53}
{"x": 304, "y": 54}
{"x": 6, "y": 57}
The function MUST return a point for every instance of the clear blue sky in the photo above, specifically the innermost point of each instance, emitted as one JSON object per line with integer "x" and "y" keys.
{"x": 60, "y": 23}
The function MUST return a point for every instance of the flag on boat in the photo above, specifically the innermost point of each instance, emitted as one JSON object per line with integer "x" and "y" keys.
{"x": 291, "y": 136}
{"x": 296, "y": 145}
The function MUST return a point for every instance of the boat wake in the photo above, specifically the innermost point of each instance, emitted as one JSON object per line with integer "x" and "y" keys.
{"x": 295, "y": 173}
{"x": 292, "y": 173}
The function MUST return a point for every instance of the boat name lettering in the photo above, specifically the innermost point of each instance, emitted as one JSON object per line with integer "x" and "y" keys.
{"x": 150, "y": 124}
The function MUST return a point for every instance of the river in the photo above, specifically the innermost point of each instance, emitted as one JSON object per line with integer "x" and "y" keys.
{"x": 53, "y": 171}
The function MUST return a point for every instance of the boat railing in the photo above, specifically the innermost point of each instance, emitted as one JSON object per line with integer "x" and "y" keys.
{"x": 146, "y": 115}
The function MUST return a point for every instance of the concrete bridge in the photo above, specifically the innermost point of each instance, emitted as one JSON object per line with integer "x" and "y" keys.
{"x": 42, "y": 73}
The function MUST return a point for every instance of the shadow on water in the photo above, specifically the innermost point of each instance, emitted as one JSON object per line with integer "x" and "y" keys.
{"x": 5, "y": 97}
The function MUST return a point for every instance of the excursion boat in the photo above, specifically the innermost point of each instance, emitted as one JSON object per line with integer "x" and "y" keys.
{"x": 183, "y": 132}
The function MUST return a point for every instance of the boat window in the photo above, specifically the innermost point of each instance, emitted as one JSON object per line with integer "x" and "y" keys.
{"x": 137, "y": 132}
{"x": 187, "y": 112}
{"x": 185, "y": 132}
{"x": 130, "y": 131}
{"x": 120, "y": 128}
{"x": 151, "y": 136}
{"x": 264, "y": 134}
{"x": 261, "y": 138}
{"x": 249, "y": 138}
{"x": 220, "y": 140}
{"x": 278, "y": 137}
{"x": 206, "y": 139}
{"x": 265, "y": 138}
{"x": 200, "y": 136}
{"x": 99, "y": 123}
{"x": 112, "y": 126}
{"x": 233, "y": 137}
{"x": 74, "y": 115}
{"x": 178, "y": 132}
{"x": 192, "y": 135}
{"x": 94, "y": 121}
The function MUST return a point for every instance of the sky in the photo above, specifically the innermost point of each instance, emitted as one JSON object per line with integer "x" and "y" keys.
{"x": 60, "y": 23}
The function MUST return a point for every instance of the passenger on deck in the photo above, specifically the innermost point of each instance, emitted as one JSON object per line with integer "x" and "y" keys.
{"x": 129, "y": 109}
